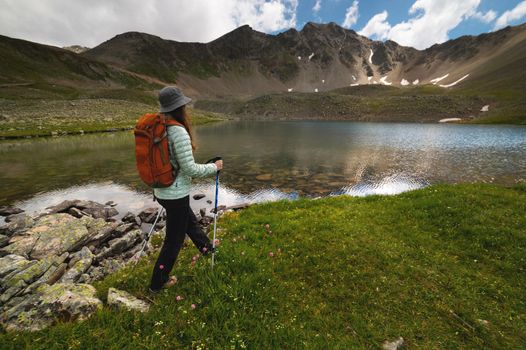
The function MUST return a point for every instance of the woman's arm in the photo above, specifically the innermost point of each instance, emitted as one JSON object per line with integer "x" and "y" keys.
{"x": 182, "y": 148}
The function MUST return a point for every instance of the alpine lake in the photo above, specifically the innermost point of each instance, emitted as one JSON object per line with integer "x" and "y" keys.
{"x": 268, "y": 161}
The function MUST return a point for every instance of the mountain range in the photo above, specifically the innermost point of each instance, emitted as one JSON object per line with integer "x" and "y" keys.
{"x": 245, "y": 64}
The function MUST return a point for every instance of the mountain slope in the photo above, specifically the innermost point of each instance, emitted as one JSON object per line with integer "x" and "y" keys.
{"x": 320, "y": 57}
{"x": 28, "y": 68}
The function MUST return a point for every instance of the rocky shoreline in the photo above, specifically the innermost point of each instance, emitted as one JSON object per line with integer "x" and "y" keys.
{"x": 48, "y": 261}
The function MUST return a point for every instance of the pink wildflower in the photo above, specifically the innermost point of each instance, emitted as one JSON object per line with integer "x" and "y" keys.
{"x": 205, "y": 249}
{"x": 270, "y": 254}
{"x": 193, "y": 306}
{"x": 179, "y": 298}
{"x": 217, "y": 242}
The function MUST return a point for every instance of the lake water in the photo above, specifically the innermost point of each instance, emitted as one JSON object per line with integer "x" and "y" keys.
{"x": 269, "y": 161}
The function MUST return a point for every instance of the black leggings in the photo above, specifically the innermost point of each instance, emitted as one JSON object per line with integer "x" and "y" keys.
{"x": 180, "y": 220}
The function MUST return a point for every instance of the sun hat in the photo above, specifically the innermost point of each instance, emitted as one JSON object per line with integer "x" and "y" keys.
{"x": 171, "y": 98}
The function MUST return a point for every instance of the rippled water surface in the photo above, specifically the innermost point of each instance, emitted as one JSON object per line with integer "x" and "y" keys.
{"x": 270, "y": 160}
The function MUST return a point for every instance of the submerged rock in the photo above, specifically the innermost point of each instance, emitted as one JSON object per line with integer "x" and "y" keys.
{"x": 62, "y": 301}
{"x": 124, "y": 300}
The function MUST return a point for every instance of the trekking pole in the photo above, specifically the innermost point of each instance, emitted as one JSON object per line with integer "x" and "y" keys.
{"x": 145, "y": 243}
{"x": 215, "y": 221}
{"x": 213, "y": 160}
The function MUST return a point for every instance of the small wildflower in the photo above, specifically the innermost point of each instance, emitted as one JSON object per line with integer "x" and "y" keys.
{"x": 205, "y": 249}
{"x": 279, "y": 250}
{"x": 179, "y": 298}
{"x": 267, "y": 226}
{"x": 242, "y": 253}
{"x": 270, "y": 254}
{"x": 195, "y": 257}
{"x": 193, "y": 306}
{"x": 217, "y": 242}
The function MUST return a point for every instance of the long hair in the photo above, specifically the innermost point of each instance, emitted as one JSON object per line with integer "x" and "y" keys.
{"x": 182, "y": 117}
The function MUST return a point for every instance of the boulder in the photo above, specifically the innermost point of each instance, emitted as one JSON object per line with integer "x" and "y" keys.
{"x": 62, "y": 301}
{"x": 124, "y": 300}
{"x": 6, "y": 211}
{"x": 12, "y": 263}
{"x": 17, "y": 223}
{"x": 96, "y": 210}
{"x": 122, "y": 229}
{"x": 46, "y": 277}
{"x": 99, "y": 232}
{"x": 58, "y": 233}
{"x": 148, "y": 215}
{"x": 78, "y": 265}
{"x": 118, "y": 245}
{"x": 128, "y": 217}
{"x": 57, "y": 274}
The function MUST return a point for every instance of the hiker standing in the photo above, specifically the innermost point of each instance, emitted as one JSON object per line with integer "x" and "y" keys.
{"x": 180, "y": 219}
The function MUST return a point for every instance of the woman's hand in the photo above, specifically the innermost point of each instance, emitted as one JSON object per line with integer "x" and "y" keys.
{"x": 219, "y": 164}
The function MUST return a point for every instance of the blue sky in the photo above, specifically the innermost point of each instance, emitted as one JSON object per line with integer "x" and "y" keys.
{"x": 488, "y": 11}
{"x": 417, "y": 23}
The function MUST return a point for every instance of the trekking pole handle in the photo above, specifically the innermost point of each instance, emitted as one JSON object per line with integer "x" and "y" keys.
{"x": 213, "y": 160}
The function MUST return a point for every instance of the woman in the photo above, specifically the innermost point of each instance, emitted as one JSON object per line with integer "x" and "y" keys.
{"x": 180, "y": 219}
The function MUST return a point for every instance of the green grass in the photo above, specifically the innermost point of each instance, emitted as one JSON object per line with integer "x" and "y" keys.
{"x": 347, "y": 273}
{"x": 37, "y": 117}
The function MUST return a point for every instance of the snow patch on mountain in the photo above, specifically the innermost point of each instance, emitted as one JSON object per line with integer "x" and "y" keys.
{"x": 436, "y": 80}
{"x": 455, "y": 83}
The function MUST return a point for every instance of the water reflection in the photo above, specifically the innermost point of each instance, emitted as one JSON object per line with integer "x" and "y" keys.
{"x": 275, "y": 160}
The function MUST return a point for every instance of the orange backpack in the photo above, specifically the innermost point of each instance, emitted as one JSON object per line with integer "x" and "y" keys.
{"x": 152, "y": 150}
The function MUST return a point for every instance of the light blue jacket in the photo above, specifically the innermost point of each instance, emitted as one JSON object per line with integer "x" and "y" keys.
{"x": 182, "y": 159}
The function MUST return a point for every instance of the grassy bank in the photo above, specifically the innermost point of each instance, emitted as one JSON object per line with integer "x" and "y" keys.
{"x": 443, "y": 267}
{"x": 47, "y": 117}
{"x": 378, "y": 103}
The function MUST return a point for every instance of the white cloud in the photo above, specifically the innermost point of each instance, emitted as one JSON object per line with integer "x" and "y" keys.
{"x": 487, "y": 17}
{"x": 317, "y": 6}
{"x": 351, "y": 16}
{"x": 377, "y": 27}
{"x": 68, "y": 22}
{"x": 511, "y": 15}
{"x": 430, "y": 23}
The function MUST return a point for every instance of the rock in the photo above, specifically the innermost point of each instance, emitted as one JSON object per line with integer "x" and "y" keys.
{"x": 84, "y": 278}
{"x": 238, "y": 207}
{"x": 219, "y": 208}
{"x": 12, "y": 263}
{"x": 57, "y": 274}
{"x": 198, "y": 196}
{"x": 128, "y": 217}
{"x": 122, "y": 229}
{"x": 96, "y": 210}
{"x": 209, "y": 201}
{"x": 29, "y": 274}
{"x": 118, "y": 245}
{"x": 84, "y": 253}
{"x": 79, "y": 268}
{"x": 99, "y": 232}
{"x": 124, "y": 300}
{"x": 58, "y": 233}
{"x": 62, "y": 301}
{"x": 3, "y": 240}
{"x": 12, "y": 291}
{"x": 202, "y": 212}
{"x": 393, "y": 345}
{"x": 7, "y": 211}
{"x": 145, "y": 228}
{"x": 110, "y": 266}
{"x": 110, "y": 204}
{"x": 264, "y": 177}
{"x": 76, "y": 212}
{"x": 17, "y": 223}
{"x": 148, "y": 215}
{"x": 47, "y": 275}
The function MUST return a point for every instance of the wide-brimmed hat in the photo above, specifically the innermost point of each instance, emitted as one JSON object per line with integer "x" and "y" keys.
{"x": 171, "y": 98}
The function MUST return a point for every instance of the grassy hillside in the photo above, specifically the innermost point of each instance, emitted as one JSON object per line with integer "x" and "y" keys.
{"x": 443, "y": 267}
